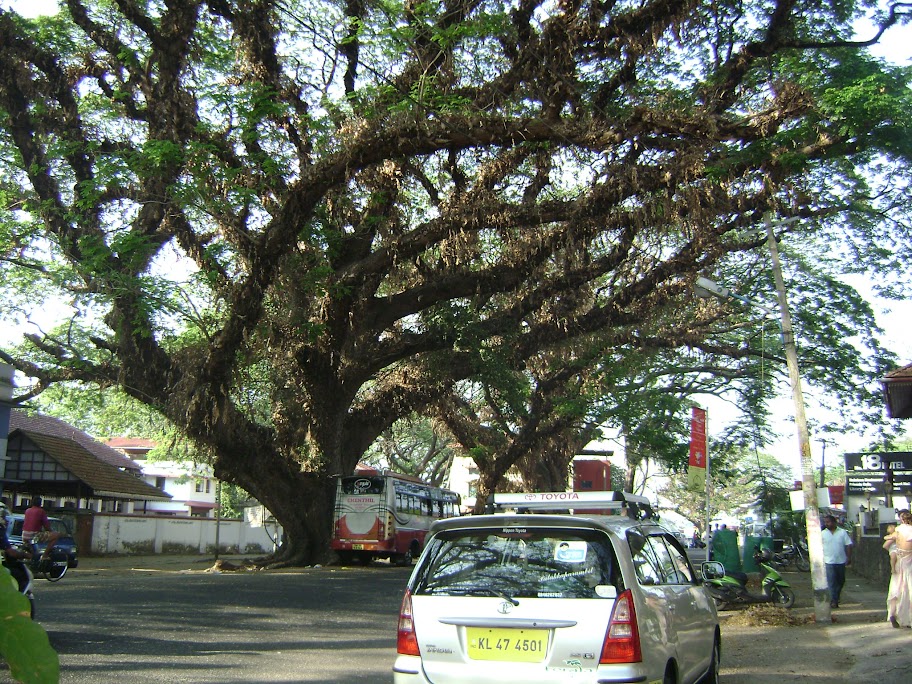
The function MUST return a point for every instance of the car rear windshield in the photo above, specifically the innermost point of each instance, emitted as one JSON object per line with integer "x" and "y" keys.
{"x": 518, "y": 562}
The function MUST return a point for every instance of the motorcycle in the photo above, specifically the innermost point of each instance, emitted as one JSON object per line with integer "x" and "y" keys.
{"x": 22, "y": 574}
{"x": 793, "y": 554}
{"x": 730, "y": 589}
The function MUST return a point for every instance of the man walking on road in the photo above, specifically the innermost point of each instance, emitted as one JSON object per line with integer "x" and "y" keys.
{"x": 837, "y": 554}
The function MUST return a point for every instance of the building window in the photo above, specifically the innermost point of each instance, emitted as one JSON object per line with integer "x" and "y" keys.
{"x": 160, "y": 482}
{"x": 199, "y": 486}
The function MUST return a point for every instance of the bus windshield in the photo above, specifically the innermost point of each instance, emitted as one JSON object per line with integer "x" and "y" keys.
{"x": 363, "y": 485}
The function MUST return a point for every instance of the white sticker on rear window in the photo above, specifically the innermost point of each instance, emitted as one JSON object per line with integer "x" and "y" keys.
{"x": 606, "y": 591}
{"x": 570, "y": 551}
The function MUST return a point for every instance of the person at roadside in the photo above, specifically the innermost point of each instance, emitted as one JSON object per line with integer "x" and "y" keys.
{"x": 890, "y": 546}
{"x": 899, "y": 595}
{"x": 837, "y": 554}
{"x": 36, "y": 527}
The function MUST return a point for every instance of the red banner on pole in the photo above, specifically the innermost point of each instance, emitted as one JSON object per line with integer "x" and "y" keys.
{"x": 698, "y": 437}
{"x": 696, "y": 471}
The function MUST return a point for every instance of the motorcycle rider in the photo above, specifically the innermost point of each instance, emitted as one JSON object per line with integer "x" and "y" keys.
{"x": 12, "y": 555}
{"x": 36, "y": 527}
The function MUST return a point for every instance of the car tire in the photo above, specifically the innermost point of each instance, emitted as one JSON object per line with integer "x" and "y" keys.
{"x": 712, "y": 675}
{"x": 783, "y": 597}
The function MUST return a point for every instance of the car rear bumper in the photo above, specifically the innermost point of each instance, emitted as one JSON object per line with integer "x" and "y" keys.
{"x": 408, "y": 670}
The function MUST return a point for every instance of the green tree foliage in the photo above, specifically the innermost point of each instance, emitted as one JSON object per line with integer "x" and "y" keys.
{"x": 103, "y": 414}
{"x": 739, "y": 478}
{"x": 287, "y": 225}
{"x": 414, "y": 446}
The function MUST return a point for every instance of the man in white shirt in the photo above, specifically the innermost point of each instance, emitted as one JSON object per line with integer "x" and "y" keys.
{"x": 837, "y": 554}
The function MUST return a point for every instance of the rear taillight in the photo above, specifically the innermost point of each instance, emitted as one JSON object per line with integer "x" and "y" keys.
{"x": 407, "y": 641}
{"x": 622, "y": 640}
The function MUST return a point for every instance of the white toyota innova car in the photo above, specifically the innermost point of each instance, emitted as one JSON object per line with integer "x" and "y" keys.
{"x": 598, "y": 594}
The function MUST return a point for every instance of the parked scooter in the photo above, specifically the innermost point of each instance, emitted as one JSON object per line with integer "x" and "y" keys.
{"x": 19, "y": 569}
{"x": 730, "y": 589}
{"x": 793, "y": 554}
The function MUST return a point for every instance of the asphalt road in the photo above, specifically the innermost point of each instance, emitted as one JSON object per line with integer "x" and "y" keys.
{"x": 334, "y": 625}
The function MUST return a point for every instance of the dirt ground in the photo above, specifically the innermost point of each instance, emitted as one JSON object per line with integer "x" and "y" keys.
{"x": 789, "y": 646}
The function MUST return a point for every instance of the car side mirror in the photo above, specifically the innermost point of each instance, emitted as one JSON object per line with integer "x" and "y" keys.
{"x": 712, "y": 570}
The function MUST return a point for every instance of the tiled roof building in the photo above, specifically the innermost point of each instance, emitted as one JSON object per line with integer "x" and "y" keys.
{"x": 49, "y": 458}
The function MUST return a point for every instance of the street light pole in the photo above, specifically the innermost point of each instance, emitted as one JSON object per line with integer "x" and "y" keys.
{"x": 808, "y": 485}
{"x": 823, "y": 446}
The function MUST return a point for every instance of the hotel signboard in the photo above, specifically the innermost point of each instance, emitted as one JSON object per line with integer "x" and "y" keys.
{"x": 866, "y": 472}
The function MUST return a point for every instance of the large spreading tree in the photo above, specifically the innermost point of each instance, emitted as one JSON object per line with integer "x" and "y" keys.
{"x": 286, "y": 225}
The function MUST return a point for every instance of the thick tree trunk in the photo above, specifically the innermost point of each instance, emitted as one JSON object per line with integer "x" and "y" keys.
{"x": 490, "y": 481}
{"x": 302, "y": 503}
{"x": 305, "y": 514}
{"x": 250, "y": 455}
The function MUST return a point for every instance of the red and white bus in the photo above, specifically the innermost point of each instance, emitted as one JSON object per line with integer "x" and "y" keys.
{"x": 380, "y": 514}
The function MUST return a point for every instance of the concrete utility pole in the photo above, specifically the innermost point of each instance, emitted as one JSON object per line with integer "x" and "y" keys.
{"x": 808, "y": 485}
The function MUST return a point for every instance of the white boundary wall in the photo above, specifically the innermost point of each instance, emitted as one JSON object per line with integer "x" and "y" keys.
{"x": 143, "y": 534}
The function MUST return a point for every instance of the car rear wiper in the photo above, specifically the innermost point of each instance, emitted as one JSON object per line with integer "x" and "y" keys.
{"x": 489, "y": 591}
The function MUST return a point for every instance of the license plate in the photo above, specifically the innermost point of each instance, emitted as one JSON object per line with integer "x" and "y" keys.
{"x": 357, "y": 547}
{"x": 514, "y": 645}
